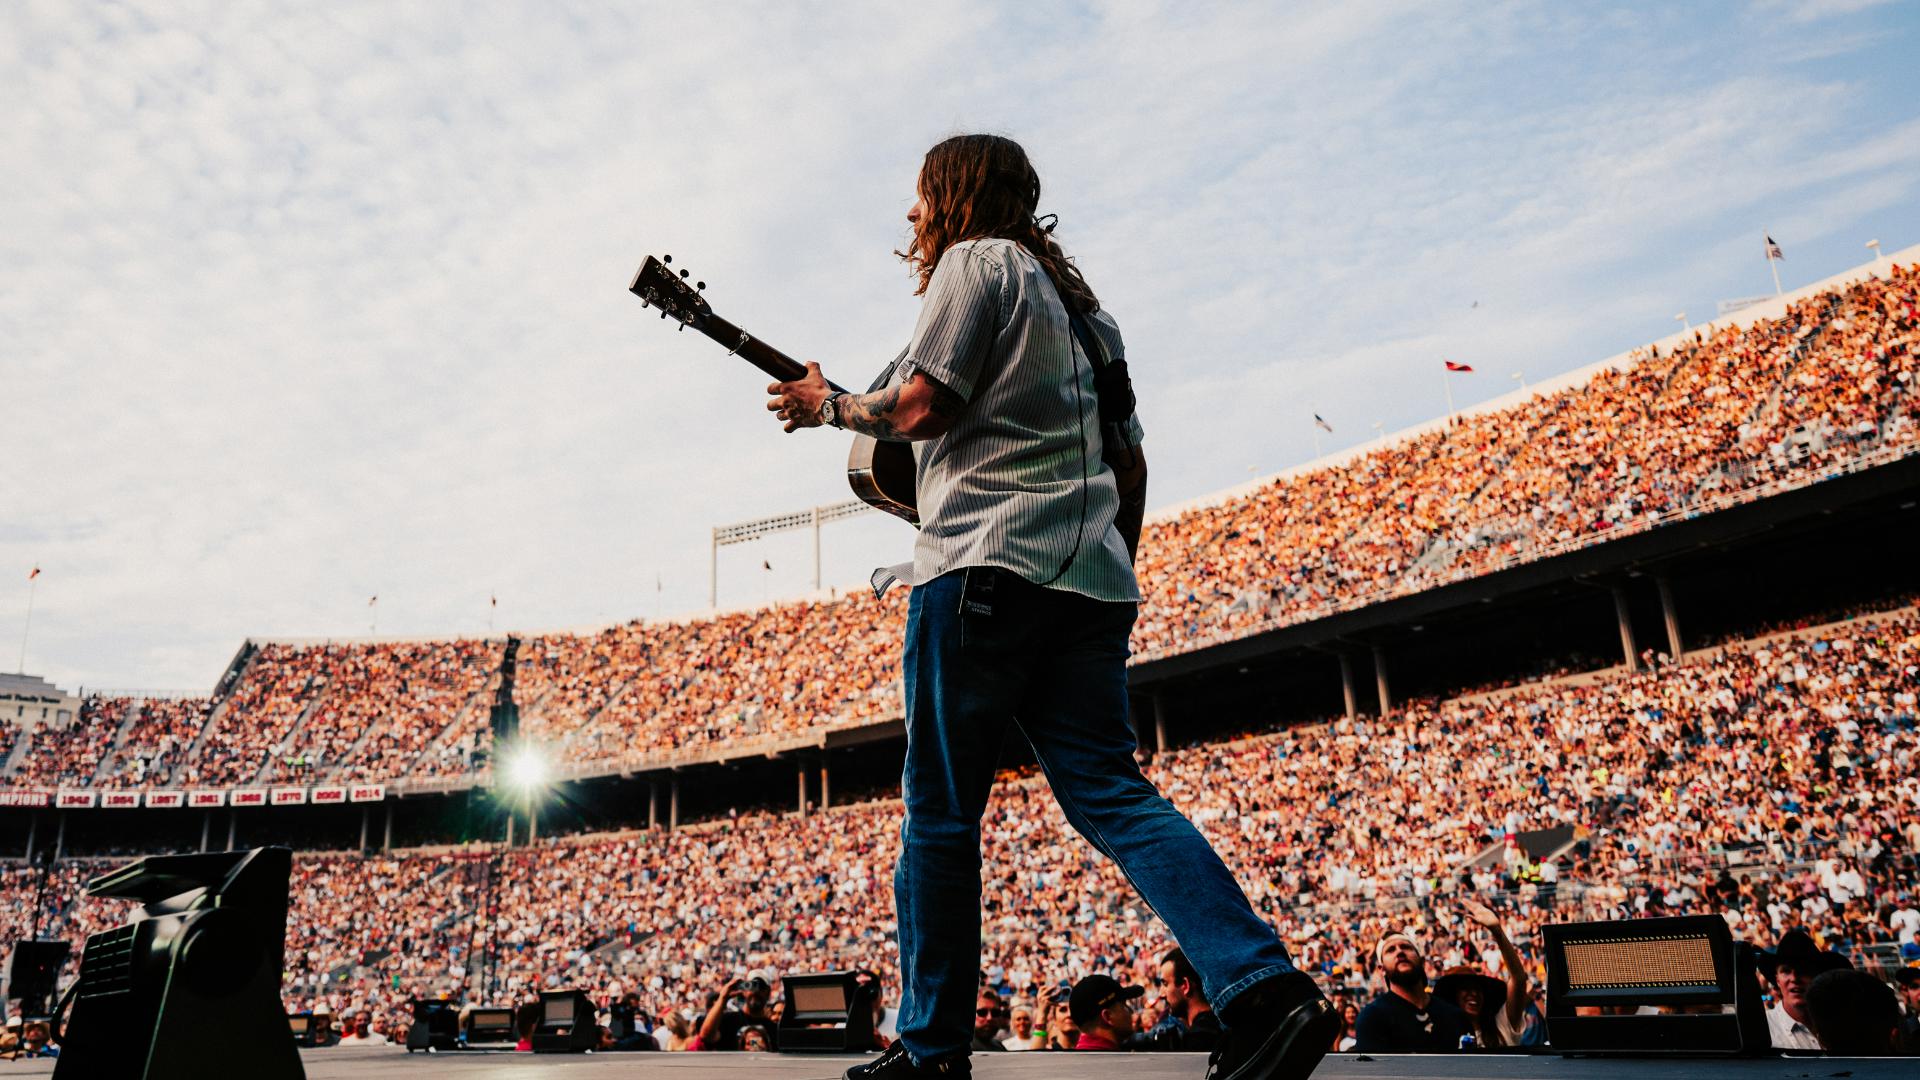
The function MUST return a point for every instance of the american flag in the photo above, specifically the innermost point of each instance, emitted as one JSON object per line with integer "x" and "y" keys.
{"x": 1773, "y": 249}
{"x": 1322, "y": 424}
{"x": 34, "y": 573}
{"x": 1451, "y": 366}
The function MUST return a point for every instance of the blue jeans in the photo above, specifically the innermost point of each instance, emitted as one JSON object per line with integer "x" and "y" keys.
{"x": 1053, "y": 662}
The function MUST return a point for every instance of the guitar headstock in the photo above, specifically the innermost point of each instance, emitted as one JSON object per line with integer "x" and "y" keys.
{"x": 658, "y": 286}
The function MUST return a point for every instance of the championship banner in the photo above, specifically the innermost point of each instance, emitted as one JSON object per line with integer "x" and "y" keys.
{"x": 324, "y": 795}
{"x": 159, "y": 799}
{"x": 120, "y": 800}
{"x": 206, "y": 799}
{"x": 76, "y": 800}
{"x": 249, "y": 797}
{"x": 367, "y": 793}
{"x": 26, "y": 798}
{"x": 289, "y": 796}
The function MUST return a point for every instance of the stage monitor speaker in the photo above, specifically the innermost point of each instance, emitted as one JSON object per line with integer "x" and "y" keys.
{"x": 1652, "y": 986}
{"x": 33, "y": 979}
{"x": 435, "y": 1025}
{"x": 828, "y": 1012}
{"x": 191, "y": 988}
{"x": 487, "y": 1025}
{"x": 566, "y": 1024}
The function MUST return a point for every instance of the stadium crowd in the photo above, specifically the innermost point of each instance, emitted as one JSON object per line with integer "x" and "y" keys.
{"x": 1725, "y": 413}
{"x": 1774, "y": 782}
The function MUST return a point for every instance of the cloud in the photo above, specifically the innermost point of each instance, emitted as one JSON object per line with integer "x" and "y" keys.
{"x": 306, "y": 305}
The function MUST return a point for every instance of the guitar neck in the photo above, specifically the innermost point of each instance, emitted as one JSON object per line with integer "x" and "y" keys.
{"x": 756, "y": 352}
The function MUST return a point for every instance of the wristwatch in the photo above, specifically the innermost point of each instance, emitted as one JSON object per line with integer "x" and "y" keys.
{"x": 829, "y": 409}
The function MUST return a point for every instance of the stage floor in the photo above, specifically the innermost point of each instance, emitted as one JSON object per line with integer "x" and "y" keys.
{"x": 386, "y": 1063}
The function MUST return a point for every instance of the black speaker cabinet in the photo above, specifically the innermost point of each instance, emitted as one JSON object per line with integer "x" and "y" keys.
{"x": 829, "y": 1012}
{"x": 567, "y": 1023}
{"x": 435, "y": 1025}
{"x": 1652, "y": 986}
{"x": 488, "y": 1025}
{"x": 32, "y": 977}
{"x": 191, "y": 989}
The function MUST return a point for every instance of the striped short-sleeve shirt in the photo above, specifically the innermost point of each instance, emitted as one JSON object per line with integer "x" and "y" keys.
{"x": 1017, "y": 482}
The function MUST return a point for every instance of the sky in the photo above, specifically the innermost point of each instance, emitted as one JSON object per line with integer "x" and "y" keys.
{"x": 306, "y": 304}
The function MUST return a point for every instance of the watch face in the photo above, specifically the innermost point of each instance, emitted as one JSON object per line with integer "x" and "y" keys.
{"x": 828, "y": 410}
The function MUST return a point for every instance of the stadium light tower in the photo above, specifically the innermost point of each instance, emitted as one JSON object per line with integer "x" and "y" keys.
{"x": 1874, "y": 246}
{"x": 1685, "y": 324}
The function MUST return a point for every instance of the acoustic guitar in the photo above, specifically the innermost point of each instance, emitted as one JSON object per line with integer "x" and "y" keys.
{"x": 881, "y": 473}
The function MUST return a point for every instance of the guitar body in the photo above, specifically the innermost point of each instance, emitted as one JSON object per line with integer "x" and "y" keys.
{"x": 881, "y": 473}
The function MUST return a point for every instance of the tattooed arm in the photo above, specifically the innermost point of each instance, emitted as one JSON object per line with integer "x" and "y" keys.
{"x": 917, "y": 409}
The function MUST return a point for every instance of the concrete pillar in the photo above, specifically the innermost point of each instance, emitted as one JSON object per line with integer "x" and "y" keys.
{"x": 800, "y": 786}
{"x": 1380, "y": 682}
{"x": 1626, "y": 628}
{"x": 673, "y": 802}
{"x": 1159, "y": 724}
{"x": 1671, "y": 614}
{"x": 33, "y": 832}
{"x": 386, "y": 834}
{"x": 365, "y": 814}
{"x": 1346, "y": 687}
{"x": 206, "y": 830}
{"x": 533, "y": 824}
{"x": 653, "y": 804}
{"x": 233, "y": 829}
{"x": 60, "y": 836}
{"x": 509, "y": 828}
{"x": 824, "y": 793}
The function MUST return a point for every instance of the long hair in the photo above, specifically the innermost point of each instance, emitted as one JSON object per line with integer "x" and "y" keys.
{"x": 978, "y": 186}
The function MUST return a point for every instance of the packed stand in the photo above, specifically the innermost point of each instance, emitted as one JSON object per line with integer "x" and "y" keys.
{"x": 1776, "y": 783}
{"x": 158, "y": 741}
{"x": 54, "y": 757}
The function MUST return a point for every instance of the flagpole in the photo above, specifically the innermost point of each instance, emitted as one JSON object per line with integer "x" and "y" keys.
{"x": 1316, "y": 437}
{"x": 32, "y": 584}
{"x": 1446, "y": 380}
{"x": 1773, "y": 265}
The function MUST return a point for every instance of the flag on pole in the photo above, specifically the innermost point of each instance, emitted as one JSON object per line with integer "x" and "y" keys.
{"x": 493, "y": 601}
{"x": 1451, "y": 366}
{"x": 34, "y": 573}
{"x": 765, "y": 565}
{"x": 1322, "y": 424}
{"x": 372, "y": 600}
{"x": 1773, "y": 249}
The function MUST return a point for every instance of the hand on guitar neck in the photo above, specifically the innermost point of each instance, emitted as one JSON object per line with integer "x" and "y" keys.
{"x": 918, "y": 409}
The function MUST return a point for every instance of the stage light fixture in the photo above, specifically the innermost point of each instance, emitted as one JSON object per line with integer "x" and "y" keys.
{"x": 191, "y": 987}
{"x": 1689, "y": 969}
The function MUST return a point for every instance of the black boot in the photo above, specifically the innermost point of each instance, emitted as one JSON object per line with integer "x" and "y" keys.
{"x": 1277, "y": 1030}
{"x": 896, "y": 1065}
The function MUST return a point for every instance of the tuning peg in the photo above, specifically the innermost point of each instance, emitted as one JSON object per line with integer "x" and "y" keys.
{"x": 666, "y": 258}
{"x": 699, "y": 286}
{"x": 644, "y": 303}
{"x": 663, "y": 314}
{"x": 683, "y": 326}
{"x": 683, "y": 273}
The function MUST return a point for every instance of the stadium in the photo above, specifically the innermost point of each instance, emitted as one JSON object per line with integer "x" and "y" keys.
{"x": 1582, "y": 678}
{"x": 1594, "y": 703}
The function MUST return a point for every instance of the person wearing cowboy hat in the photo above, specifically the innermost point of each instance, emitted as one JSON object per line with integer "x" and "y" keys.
{"x": 1791, "y": 966}
{"x": 1407, "y": 1019}
{"x": 1498, "y": 1008}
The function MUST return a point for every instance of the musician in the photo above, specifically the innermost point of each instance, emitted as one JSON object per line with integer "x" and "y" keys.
{"x": 1023, "y": 601}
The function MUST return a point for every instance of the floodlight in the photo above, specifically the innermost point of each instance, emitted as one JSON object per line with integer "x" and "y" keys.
{"x": 527, "y": 768}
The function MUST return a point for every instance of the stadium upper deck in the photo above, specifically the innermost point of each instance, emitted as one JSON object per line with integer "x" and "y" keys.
{"x": 1818, "y": 383}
